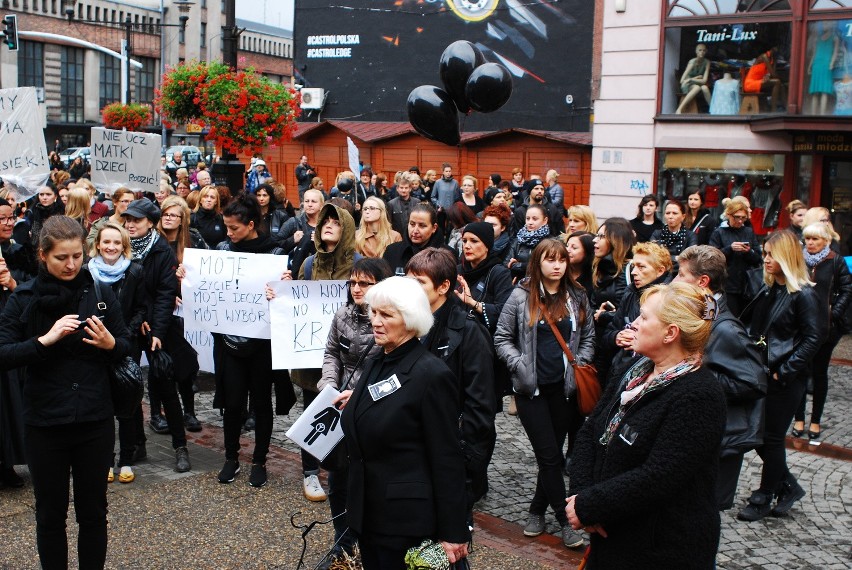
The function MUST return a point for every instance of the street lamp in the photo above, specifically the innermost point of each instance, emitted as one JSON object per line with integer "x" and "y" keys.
{"x": 183, "y": 7}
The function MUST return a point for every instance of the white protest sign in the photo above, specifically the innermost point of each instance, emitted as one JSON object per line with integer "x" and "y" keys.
{"x": 125, "y": 158}
{"x": 224, "y": 291}
{"x": 354, "y": 157}
{"x": 201, "y": 341}
{"x": 23, "y": 154}
{"x": 318, "y": 429}
{"x": 301, "y": 314}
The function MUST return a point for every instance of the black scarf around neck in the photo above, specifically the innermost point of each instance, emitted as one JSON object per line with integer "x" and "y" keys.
{"x": 474, "y": 275}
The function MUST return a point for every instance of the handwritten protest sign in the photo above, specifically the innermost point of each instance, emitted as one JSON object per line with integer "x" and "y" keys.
{"x": 201, "y": 341}
{"x": 125, "y": 158}
{"x": 223, "y": 291}
{"x": 23, "y": 154}
{"x": 318, "y": 429}
{"x": 301, "y": 314}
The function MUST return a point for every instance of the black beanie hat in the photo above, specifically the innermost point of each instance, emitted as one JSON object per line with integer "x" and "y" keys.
{"x": 483, "y": 230}
{"x": 497, "y": 179}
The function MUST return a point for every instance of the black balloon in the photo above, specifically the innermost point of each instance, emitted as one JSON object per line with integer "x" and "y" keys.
{"x": 433, "y": 114}
{"x": 457, "y": 63}
{"x": 488, "y": 88}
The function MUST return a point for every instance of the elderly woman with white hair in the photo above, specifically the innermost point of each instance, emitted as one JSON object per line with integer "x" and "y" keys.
{"x": 407, "y": 477}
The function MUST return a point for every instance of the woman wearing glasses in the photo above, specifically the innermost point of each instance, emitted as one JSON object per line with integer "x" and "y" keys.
{"x": 375, "y": 233}
{"x": 121, "y": 198}
{"x": 350, "y": 343}
{"x": 741, "y": 250}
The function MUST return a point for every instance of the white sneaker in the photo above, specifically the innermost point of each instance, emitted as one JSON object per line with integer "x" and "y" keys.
{"x": 313, "y": 489}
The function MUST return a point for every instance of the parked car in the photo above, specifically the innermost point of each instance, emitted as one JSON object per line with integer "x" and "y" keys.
{"x": 69, "y": 154}
{"x": 191, "y": 154}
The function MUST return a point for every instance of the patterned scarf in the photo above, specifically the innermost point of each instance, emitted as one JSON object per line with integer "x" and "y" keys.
{"x": 676, "y": 241}
{"x": 640, "y": 382}
{"x": 141, "y": 246}
{"x": 531, "y": 238}
{"x": 813, "y": 259}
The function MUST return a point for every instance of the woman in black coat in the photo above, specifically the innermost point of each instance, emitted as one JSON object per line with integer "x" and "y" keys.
{"x": 737, "y": 242}
{"x": 788, "y": 320}
{"x": 833, "y": 285}
{"x": 644, "y": 467}
{"x": 207, "y": 217}
{"x": 111, "y": 265}
{"x": 406, "y": 474}
{"x": 699, "y": 219}
{"x": 151, "y": 249}
{"x": 675, "y": 236}
{"x": 56, "y": 326}
{"x": 244, "y": 365}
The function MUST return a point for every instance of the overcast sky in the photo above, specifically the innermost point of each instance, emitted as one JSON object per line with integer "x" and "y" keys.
{"x": 277, "y": 13}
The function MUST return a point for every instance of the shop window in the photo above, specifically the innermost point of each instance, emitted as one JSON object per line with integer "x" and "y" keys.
{"x": 727, "y": 69}
{"x": 828, "y": 69}
{"x": 830, "y": 4}
{"x": 719, "y": 175}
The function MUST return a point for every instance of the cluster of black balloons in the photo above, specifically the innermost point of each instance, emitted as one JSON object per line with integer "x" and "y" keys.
{"x": 470, "y": 84}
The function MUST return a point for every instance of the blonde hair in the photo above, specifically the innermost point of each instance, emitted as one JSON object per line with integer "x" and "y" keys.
{"x": 816, "y": 215}
{"x": 87, "y": 185}
{"x": 472, "y": 178}
{"x": 684, "y": 305}
{"x": 817, "y": 230}
{"x": 192, "y": 199}
{"x": 551, "y": 175}
{"x": 78, "y": 204}
{"x": 659, "y": 256}
{"x": 735, "y": 205}
{"x": 125, "y": 239}
{"x": 383, "y": 237}
{"x": 218, "y": 207}
{"x": 585, "y": 214}
{"x": 183, "y": 230}
{"x": 787, "y": 251}
{"x": 796, "y": 205}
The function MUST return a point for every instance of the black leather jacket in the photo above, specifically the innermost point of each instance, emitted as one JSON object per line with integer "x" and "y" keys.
{"x": 737, "y": 365}
{"x": 796, "y": 328}
{"x": 834, "y": 287}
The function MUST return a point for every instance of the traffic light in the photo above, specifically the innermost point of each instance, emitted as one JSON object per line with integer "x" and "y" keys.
{"x": 10, "y": 31}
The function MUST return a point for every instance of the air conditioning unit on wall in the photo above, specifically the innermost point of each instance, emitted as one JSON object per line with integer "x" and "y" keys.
{"x": 312, "y": 97}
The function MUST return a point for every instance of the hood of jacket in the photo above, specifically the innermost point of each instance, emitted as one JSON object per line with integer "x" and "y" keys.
{"x": 336, "y": 264}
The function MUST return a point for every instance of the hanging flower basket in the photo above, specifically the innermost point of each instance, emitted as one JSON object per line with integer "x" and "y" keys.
{"x": 242, "y": 110}
{"x": 246, "y": 111}
{"x": 131, "y": 116}
{"x": 178, "y": 98}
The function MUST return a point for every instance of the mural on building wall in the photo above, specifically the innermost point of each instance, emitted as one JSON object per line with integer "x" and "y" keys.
{"x": 367, "y": 56}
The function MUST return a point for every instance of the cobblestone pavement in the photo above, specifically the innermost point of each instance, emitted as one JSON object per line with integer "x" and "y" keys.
{"x": 816, "y": 535}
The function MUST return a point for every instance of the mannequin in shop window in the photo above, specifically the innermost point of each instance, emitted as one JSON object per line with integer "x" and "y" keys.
{"x": 726, "y": 96}
{"x": 713, "y": 193}
{"x": 694, "y": 79}
{"x": 761, "y": 202}
{"x": 674, "y": 182}
{"x": 761, "y": 78}
{"x": 826, "y": 51}
{"x": 740, "y": 186}
{"x": 843, "y": 95}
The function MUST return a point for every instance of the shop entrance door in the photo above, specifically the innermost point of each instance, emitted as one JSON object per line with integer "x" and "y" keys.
{"x": 837, "y": 197}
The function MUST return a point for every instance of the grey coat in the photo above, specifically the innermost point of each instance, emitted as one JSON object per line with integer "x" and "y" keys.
{"x": 349, "y": 335}
{"x": 515, "y": 340}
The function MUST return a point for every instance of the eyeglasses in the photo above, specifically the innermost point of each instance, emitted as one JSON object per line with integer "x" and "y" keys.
{"x": 600, "y": 236}
{"x": 9, "y": 220}
{"x": 740, "y": 218}
{"x": 370, "y": 208}
{"x": 172, "y": 216}
{"x": 361, "y": 284}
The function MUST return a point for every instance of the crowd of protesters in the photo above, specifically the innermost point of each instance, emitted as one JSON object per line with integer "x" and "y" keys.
{"x": 465, "y": 302}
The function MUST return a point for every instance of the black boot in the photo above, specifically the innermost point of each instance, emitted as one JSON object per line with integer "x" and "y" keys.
{"x": 790, "y": 492}
{"x": 158, "y": 424}
{"x": 759, "y": 506}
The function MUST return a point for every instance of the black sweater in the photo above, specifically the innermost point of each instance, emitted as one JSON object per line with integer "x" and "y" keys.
{"x": 655, "y": 497}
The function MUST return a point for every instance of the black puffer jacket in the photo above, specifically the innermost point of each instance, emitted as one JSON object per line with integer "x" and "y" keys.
{"x": 67, "y": 382}
{"x": 161, "y": 286}
{"x": 739, "y": 262}
{"x": 653, "y": 488}
{"x": 398, "y": 254}
{"x": 736, "y": 364}
{"x": 796, "y": 326}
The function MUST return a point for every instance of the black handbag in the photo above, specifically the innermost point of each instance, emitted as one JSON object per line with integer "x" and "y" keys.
{"x": 127, "y": 385}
